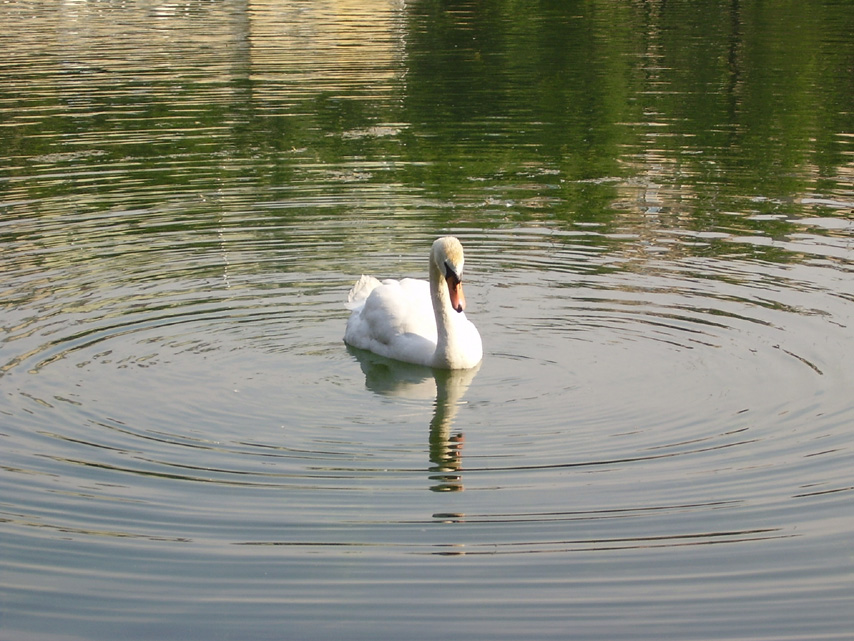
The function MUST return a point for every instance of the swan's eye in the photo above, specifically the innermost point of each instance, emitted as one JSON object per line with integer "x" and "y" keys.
{"x": 451, "y": 273}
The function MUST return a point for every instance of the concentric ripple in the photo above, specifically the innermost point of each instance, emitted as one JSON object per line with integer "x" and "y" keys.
{"x": 196, "y": 394}
{"x": 656, "y": 205}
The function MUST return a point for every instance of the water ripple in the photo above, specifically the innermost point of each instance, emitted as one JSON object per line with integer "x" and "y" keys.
{"x": 660, "y": 425}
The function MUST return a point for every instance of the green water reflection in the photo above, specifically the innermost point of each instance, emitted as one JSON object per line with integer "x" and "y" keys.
{"x": 562, "y": 112}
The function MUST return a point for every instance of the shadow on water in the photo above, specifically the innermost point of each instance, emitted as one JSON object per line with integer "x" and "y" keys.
{"x": 387, "y": 377}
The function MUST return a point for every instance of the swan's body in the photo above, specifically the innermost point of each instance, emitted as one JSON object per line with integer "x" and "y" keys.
{"x": 415, "y": 321}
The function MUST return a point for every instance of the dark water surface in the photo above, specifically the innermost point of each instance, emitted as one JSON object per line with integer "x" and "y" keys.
{"x": 657, "y": 205}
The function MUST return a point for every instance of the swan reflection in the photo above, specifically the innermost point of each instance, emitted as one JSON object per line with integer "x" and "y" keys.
{"x": 393, "y": 378}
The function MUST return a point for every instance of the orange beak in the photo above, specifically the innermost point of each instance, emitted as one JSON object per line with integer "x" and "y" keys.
{"x": 455, "y": 289}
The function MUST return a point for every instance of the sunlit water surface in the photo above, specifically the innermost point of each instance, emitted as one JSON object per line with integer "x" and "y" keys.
{"x": 658, "y": 443}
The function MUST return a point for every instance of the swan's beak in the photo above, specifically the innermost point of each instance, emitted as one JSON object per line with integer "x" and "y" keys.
{"x": 455, "y": 289}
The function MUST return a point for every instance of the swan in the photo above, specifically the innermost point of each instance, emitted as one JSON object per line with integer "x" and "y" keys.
{"x": 415, "y": 321}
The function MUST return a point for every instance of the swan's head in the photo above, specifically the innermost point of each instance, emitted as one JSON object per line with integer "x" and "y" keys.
{"x": 448, "y": 260}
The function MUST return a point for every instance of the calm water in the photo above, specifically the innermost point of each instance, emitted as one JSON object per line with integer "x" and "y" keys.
{"x": 657, "y": 204}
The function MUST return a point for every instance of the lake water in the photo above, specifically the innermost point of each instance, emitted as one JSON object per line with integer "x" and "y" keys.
{"x": 657, "y": 206}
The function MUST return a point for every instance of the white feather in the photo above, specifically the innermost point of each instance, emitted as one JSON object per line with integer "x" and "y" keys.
{"x": 398, "y": 318}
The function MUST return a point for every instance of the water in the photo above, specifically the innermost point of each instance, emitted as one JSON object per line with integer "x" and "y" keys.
{"x": 657, "y": 206}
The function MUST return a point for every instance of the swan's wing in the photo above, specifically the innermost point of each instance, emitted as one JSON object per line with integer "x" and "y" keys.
{"x": 400, "y": 307}
{"x": 361, "y": 290}
{"x": 397, "y": 321}
{"x": 419, "y": 316}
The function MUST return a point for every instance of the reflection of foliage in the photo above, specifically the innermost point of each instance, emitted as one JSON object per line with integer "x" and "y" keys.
{"x": 635, "y": 118}
{"x": 714, "y": 105}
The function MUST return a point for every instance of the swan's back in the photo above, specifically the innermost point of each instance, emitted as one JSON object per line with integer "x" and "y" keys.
{"x": 393, "y": 318}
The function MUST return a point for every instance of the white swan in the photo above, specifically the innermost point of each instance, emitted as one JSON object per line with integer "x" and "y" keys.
{"x": 414, "y": 321}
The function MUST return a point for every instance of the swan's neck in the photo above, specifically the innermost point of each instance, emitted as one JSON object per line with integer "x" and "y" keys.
{"x": 446, "y": 338}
